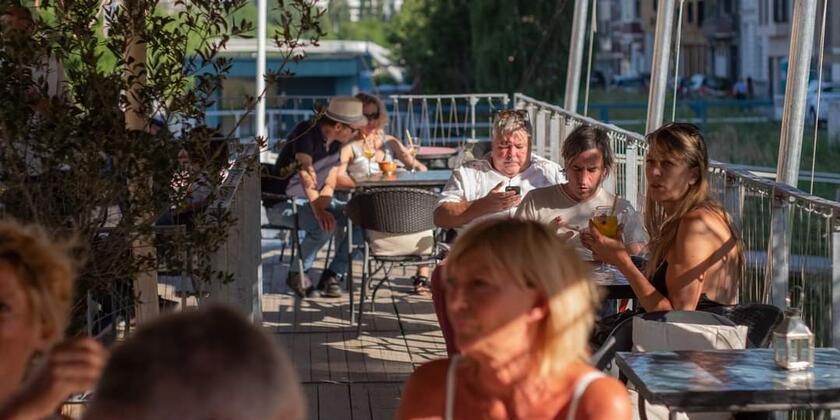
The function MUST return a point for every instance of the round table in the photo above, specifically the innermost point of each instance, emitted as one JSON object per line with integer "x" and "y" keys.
{"x": 430, "y": 154}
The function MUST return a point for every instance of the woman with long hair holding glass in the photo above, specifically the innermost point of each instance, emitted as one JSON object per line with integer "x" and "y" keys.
{"x": 696, "y": 254}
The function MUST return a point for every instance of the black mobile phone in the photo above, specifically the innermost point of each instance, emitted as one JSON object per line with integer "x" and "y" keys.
{"x": 513, "y": 188}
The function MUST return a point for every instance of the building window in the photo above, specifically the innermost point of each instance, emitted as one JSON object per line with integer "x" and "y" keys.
{"x": 700, "y": 12}
{"x": 727, "y": 6}
{"x": 780, "y": 11}
{"x": 689, "y": 13}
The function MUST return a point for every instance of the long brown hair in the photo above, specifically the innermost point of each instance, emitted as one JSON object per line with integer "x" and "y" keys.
{"x": 686, "y": 143}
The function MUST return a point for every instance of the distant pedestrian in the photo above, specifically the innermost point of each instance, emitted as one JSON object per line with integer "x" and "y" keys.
{"x": 740, "y": 89}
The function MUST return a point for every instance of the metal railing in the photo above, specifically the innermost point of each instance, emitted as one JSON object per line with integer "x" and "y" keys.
{"x": 445, "y": 120}
{"x": 432, "y": 120}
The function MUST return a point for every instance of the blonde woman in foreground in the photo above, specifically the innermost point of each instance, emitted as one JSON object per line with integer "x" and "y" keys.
{"x": 522, "y": 307}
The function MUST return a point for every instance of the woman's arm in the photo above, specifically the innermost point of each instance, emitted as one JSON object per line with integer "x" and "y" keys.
{"x": 403, "y": 155}
{"x": 613, "y": 251}
{"x": 343, "y": 180}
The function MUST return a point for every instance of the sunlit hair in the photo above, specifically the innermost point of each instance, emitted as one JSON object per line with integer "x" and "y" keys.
{"x": 45, "y": 271}
{"x": 368, "y": 99}
{"x": 587, "y": 137}
{"x": 508, "y": 121}
{"x": 682, "y": 142}
{"x": 533, "y": 256}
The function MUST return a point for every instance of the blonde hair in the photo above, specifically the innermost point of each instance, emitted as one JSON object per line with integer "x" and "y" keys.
{"x": 44, "y": 270}
{"x": 536, "y": 258}
{"x": 686, "y": 143}
{"x": 368, "y": 99}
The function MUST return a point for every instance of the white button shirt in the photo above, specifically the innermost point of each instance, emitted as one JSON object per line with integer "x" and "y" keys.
{"x": 476, "y": 178}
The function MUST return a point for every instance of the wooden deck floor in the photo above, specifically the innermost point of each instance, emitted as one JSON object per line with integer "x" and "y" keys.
{"x": 345, "y": 376}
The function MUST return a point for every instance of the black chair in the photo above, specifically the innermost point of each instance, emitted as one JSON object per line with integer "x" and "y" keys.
{"x": 391, "y": 210}
{"x": 759, "y": 318}
{"x": 270, "y": 196}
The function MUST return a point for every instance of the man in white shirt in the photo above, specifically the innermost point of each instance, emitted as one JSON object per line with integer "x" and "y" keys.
{"x": 589, "y": 160}
{"x": 491, "y": 187}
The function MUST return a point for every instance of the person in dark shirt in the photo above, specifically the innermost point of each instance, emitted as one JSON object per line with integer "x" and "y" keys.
{"x": 306, "y": 170}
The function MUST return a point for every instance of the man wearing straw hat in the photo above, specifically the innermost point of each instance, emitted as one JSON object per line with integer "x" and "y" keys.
{"x": 307, "y": 169}
{"x": 588, "y": 161}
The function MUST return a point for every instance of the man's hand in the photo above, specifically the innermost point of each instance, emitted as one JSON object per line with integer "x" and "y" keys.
{"x": 320, "y": 210}
{"x": 497, "y": 200}
{"x": 73, "y": 366}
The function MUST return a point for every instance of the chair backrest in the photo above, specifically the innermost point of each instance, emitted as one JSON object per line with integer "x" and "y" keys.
{"x": 393, "y": 210}
{"x": 759, "y": 318}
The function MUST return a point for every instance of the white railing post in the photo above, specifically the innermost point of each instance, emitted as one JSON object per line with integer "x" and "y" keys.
{"x": 777, "y": 251}
{"x": 554, "y": 138}
{"x": 835, "y": 283}
{"x": 473, "y": 103}
{"x": 541, "y": 131}
{"x": 631, "y": 173}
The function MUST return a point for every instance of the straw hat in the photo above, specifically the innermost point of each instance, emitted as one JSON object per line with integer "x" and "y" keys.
{"x": 347, "y": 110}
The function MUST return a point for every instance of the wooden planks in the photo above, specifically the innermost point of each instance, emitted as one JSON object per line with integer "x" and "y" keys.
{"x": 345, "y": 376}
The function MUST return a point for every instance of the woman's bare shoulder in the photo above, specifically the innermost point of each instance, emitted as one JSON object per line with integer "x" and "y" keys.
{"x": 705, "y": 219}
{"x": 605, "y": 398}
{"x": 424, "y": 392}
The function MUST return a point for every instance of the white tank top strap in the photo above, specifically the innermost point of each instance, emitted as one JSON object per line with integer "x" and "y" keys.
{"x": 580, "y": 388}
{"x": 449, "y": 406}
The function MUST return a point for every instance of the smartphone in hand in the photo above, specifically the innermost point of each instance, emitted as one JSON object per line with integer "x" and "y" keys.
{"x": 513, "y": 188}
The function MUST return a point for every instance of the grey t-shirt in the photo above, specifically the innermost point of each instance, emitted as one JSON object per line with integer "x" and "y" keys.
{"x": 546, "y": 204}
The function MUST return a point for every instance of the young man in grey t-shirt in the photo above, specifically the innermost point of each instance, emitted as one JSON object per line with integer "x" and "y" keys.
{"x": 570, "y": 206}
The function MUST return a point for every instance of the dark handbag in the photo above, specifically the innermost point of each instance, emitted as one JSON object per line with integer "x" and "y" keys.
{"x": 605, "y": 326}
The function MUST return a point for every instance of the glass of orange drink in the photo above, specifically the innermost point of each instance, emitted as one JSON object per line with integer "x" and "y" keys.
{"x": 606, "y": 221}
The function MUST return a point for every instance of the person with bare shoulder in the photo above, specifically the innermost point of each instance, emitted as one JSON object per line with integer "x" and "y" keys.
{"x": 522, "y": 305}
{"x": 696, "y": 253}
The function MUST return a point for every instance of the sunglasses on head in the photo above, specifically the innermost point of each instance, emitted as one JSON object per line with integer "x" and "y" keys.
{"x": 506, "y": 116}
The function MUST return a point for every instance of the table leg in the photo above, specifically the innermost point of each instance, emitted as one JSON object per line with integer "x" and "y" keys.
{"x": 349, "y": 284}
{"x": 641, "y": 406}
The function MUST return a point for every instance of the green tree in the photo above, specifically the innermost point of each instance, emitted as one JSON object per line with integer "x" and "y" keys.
{"x": 69, "y": 151}
{"x": 485, "y": 45}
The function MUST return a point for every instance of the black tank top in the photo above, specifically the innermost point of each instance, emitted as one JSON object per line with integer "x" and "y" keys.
{"x": 658, "y": 279}
{"x": 658, "y": 282}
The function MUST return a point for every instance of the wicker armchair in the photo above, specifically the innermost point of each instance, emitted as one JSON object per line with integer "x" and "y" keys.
{"x": 391, "y": 211}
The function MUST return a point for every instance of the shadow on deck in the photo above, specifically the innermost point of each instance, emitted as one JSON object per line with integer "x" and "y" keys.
{"x": 345, "y": 376}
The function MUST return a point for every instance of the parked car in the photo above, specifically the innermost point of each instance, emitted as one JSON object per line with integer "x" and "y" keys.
{"x": 702, "y": 85}
{"x": 830, "y": 92}
{"x": 597, "y": 80}
{"x": 631, "y": 82}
